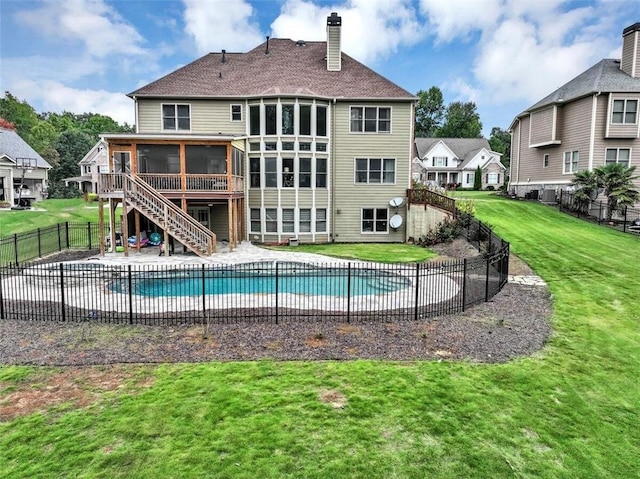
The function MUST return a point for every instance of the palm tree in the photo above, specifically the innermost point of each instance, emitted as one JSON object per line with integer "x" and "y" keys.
{"x": 587, "y": 184}
{"x": 617, "y": 181}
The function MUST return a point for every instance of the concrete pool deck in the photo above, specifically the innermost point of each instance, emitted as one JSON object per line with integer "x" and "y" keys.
{"x": 246, "y": 252}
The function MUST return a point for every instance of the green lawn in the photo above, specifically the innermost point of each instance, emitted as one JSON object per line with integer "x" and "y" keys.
{"x": 571, "y": 411}
{"x": 382, "y": 253}
{"x": 46, "y": 213}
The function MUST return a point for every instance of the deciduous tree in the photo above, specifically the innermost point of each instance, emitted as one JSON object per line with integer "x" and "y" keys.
{"x": 429, "y": 111}
{"x": 461, "y": 121}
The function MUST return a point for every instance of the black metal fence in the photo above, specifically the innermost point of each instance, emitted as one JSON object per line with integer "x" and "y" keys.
{"x": 255, "y": 292}
{"x": 625, "y": 219}
{"x": 22, "y": 247}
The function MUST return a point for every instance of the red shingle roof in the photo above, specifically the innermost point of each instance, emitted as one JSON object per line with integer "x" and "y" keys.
{"x": 288, "y": 69}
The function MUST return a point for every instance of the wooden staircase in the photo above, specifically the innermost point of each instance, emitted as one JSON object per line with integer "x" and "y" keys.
{"x": 141, "y": 196}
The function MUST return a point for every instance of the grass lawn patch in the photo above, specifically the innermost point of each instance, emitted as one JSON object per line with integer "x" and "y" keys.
{"x": 570, "y": 411}
{"x": 47, "y": 213}
{"x": 379, "y": 252}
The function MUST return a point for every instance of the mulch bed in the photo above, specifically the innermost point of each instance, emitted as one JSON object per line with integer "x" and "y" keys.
{"x": 513, "y": 324}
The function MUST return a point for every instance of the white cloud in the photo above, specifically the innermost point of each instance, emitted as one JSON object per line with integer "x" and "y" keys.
{"x": 56, "y": 97}
{"x": 457, "y": 19}
{"x": 92, "y": 22}
{"x": 371, "y": 28}
{"x": 526, "y": 49}
{"x": 216, "y": 25}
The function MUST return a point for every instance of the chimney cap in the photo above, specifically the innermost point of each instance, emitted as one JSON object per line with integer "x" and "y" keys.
{"x": 334, "y": 19}
{"x": 632, "y": 28}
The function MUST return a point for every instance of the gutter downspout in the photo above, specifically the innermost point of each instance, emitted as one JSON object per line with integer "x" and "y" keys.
{"x": 592, "y": 140}
{"x": 333, "y": 172}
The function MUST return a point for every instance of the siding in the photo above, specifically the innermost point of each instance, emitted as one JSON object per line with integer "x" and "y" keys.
{"x": 542, "y": 127}
{"x": 617, "y": 130}
{"x": 575, "y": 121}
{"x": 207, "y": 116}
{"x": 630, "y": 61}
{"x": 349, "y": 197}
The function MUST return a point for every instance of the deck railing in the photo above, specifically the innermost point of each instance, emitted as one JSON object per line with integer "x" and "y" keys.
{"x": 428, "y": 197}
{"x": 170, "y": 183}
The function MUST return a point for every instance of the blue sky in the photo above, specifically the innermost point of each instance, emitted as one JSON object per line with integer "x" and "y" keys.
{"x": 85, "y": 55}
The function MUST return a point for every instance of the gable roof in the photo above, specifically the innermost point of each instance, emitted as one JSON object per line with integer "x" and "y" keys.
{"x": 14, "y": 147}
{"x": 463, "y": 148}
{"x": 605, "y": 76}
{"x": 290, "y": 68}
{"x": 98, "y": 151}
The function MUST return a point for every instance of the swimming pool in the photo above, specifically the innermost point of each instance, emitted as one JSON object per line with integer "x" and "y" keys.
{"x": 263, "y": 278}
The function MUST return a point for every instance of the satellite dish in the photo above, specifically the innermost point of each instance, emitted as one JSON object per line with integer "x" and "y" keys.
{"x": 395, "y": 202}
{"x": 396, "y": 221}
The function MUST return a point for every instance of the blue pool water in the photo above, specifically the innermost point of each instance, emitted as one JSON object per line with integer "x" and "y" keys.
{"x": 260, "y": 278}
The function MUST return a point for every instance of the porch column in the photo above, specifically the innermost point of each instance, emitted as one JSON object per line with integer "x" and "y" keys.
{"x": 230, "y": 225}
{"x": 101, "y": 225}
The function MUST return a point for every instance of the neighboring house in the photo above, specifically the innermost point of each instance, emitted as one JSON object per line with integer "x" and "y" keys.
{"x": 96, "y": 161}
{"x": 588, "y": 122}
{"x": 291, "y": 140}
{"x": 453, "y": 162}
{"x": 23, "y": 172}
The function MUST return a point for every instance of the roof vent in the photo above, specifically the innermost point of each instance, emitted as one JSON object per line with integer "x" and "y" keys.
{"x": 224, "y": 55}
{"x": 301, "y": 43}
{"x": 266, "y": 52}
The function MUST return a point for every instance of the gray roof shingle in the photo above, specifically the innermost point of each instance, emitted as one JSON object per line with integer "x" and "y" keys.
{"x": 605, "y": 76}
{"x": 288, "y": 69}
{"x": 463, "y": 148}
{"x": 15, "y": 147}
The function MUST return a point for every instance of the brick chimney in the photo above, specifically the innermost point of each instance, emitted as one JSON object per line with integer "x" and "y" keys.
{"x": 630, "y": 61}
{"x": 334, "y": 56}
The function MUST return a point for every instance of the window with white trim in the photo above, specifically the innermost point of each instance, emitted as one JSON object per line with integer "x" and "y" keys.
{"x": 493, "y": 178}
{"x": 618, "y": 155}
{"x": 370, "y": 119}
{"x": 287, "y": 173}
{"x": 321, "y": 172}
{"x": 270, "y": 173}
{"x": 176, "y": 117}
{"x": 471, "y": 178}
{"x": 375, "y": 220}
{"x": 321, "y": 121}
{"x": 254, "y": 172}
{"x": 375, "y": 170}
{"x": 256, "y": 225}
{"x": 571, "y": 159}
{"x": 288, "y": 220}
{"x": 440, "y": 161}
{"x": 270, "y": 119}
{"x": 236, "y": 112}
{"x": 624, "y": 112}
{"x": 545, "y": 161}
{"x": 321, "y": 220}
{"x": 304, "y": 225}
{"x": 271, "y": 222}
{"x": 304, "y": 175}
{"x": 288, "y": 119}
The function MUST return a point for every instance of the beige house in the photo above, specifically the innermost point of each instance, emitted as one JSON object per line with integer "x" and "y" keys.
{"x": 453, "y": 163}
{"x": 588, "y": 122}
{"x": 23, "y": 172}
{"x": 291, "y": 140}
{"x": 96, "y": 161}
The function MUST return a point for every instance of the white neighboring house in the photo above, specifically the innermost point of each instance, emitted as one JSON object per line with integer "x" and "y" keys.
{"x": 23, "y": 172}
{"x": 452, "y": 162}
{"x": 96, "y": 161}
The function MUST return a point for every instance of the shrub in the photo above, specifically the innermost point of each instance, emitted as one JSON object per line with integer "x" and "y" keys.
{"x": 4, "y": 204}
{"x": 445, "y": 232}
{"x": 92, "y": 197}
{"x": 467, "y": 206}
{"x": 490, "y": 188}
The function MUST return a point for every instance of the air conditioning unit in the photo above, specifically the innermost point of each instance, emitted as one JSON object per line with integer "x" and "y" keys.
{"x": 549, "y": 196}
